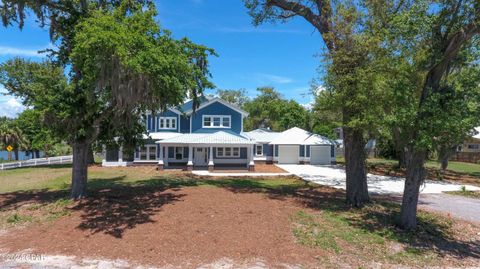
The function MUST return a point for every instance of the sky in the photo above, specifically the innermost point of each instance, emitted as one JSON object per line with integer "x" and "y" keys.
{"x": 281, "y": 55}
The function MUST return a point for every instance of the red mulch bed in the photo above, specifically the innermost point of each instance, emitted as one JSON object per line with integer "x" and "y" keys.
{"x": 184, "y": 227}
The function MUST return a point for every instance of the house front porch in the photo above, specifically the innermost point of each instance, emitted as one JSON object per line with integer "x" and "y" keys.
{"x": 206, "y": 150}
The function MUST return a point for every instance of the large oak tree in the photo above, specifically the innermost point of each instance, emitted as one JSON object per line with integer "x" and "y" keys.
{"x": 119, "y": 64}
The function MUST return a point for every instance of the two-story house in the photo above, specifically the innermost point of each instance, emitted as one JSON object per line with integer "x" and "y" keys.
{"x": 213, "y": 136}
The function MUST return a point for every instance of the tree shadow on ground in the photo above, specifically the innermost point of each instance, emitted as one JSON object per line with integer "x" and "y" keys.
{"x": 115, "y": 206}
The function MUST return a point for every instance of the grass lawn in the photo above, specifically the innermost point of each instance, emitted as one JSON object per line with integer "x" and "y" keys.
{"x": 281, "y": 220}
{"x": 465, "y": 193}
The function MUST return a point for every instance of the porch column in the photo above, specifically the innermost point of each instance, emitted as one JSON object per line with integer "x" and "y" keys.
{"x": 210, "y": 161}
{"x": 190, "y": 157}
{"x": 165, "y": 160}
{"x": 251, "y": 163}
{"x": 160, "y": 159}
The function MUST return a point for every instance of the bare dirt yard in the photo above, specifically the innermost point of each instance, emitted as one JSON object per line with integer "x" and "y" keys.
{"x": 175, "y": 219}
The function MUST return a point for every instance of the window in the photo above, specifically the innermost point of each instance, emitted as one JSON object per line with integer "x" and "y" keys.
{"x": 216, "y": 121}
{"x": 178, "y": 153}
{"x": 228, "y": 152}
{"x": 167, "y": 123}
{"x": 148, "y": 153}
{"x": 473, "y": 146}
{"x": 259, "y": 150}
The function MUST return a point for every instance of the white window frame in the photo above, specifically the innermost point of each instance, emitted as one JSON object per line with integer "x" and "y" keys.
{"x": 256, "y": 151}
{"x": 148, "y": 149}
{"x": 223, "y": 152}
{"x": 222, "y": 117}
{"x": 171, "y": 121}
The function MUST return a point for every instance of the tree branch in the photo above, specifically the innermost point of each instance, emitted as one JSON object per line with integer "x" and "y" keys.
{"x": 319, "y": 21}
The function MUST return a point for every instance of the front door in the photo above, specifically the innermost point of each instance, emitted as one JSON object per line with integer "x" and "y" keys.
{"x": 200, "y": 157}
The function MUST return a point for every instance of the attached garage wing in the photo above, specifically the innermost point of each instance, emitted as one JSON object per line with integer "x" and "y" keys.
{"x": 288, "y": 154}
{"x": 320, "y": 155}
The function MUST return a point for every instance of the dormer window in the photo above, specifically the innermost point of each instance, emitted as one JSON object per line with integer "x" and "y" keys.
{"x": 167, "y": 123}
{"x": 216, "y": 121}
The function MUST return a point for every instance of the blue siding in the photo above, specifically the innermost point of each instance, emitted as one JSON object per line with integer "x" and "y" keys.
{"x": 171, "y": 152}
{"x": 267, "y": 150}
{"x": 149, "y": 123}
{"x": 301, "y": 152}
{"x": 184, "y": 124}
{"x": 308, "y": 151}
{"x": 167, "y": 113}
{"x": 217, "y": 108}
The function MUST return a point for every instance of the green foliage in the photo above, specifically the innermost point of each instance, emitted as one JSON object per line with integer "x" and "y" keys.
{"x": 270, "y": 109}
{"x": 121, "y": 64}
{"x": 40, "y": 137}
{"x": 236, "y": 97}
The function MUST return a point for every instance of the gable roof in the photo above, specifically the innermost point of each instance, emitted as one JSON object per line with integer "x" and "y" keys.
{"x": 206, "y": 102}
{"x": 188, "y": 106}
{"x": 297, "y": 136}
{"x": 262, "y": 135}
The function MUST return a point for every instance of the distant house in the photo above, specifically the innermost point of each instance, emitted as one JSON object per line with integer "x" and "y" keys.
{"x": 469, "y": 150}
{"x": 213, "y": 136}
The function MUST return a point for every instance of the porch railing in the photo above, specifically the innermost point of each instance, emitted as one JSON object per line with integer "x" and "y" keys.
{"x": 37, "y": 162}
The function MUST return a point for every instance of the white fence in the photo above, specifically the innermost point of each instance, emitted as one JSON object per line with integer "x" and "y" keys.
{"x": 37, "y": 162}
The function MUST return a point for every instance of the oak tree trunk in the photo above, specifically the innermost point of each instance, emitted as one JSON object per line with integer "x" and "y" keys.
{"x": 355, "y": 157}
{"x": 415, "y": 177}
{"x": 79, "y": 169}
{"x": 91, "y": 158}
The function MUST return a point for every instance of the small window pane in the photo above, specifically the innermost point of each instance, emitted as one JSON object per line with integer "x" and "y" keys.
{"x": 216, "y": 121}
{"x": 236, "y": 152}
{"x": 259, "y": 150}
{"x": 207, "y": 121}
{"x": 152, "y": 152}
{"x": 143, "y": 153}
{"x": 220, "y": 152}
{"x": 161, "y": 122}
{"x": 226, "y": 122}
{"x": 228, "y": 152}
{"x": 174, "y": 123}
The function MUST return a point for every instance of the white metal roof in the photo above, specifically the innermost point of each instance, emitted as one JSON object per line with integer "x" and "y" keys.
{"x": 297, "y": 136}
{"x": 219, "y": 137}
{"x": 160, "y": 135}
{"x": 261, "y": 135}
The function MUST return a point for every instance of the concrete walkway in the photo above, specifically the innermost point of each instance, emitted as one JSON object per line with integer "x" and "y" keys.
{"x": 431, "y": 198}
{"x": 252, "y": 174}
{"x": 334, "y": 176}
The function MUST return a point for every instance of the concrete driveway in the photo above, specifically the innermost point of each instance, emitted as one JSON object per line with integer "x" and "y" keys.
{"x": 431, "y": 197}
{"x": 334, "y": 176}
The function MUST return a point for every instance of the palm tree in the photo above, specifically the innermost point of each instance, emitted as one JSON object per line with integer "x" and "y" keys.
{"x": 10, "y": 134}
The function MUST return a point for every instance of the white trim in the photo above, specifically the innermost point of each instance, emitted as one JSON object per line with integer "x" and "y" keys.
{"x": 258, "y": 145}
{"x": 221, "y": 101}
{"x": 147, "y": 146}
{"x": 170, "y": 119}
{"x": 222, "y": 117}
{"x": 233, "y": 156}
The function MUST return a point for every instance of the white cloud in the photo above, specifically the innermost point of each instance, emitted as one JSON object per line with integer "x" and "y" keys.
{"x": 269, "y": 78}
{"x": 11, "y": 108}
{"x": 12, "y": 51}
